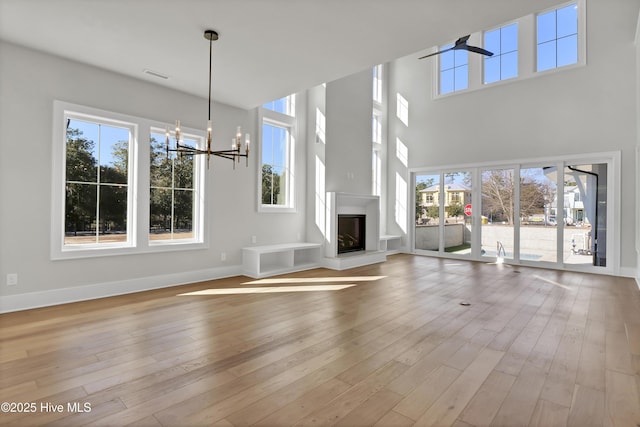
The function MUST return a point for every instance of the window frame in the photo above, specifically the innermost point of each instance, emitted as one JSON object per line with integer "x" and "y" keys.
{"x": 273, "y": 118}
{"x": 377, "y": 88}
{"x": 581, "y": 37}
{"x": 454, "y": 68}
{"x": 501, "y": 54}
{"x": 138, "y": 185}
{"x": 198, "y": 193}
{"x": 611, "y": 159}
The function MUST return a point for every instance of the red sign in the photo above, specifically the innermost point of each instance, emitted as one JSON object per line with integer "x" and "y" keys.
{"x": 467, "y": 210}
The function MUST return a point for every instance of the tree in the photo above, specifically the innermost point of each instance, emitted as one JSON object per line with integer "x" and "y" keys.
{"x": 171, "y": 197}
{"x": 270, "y": 185}
{"x": 433, "y": 212}
{"x": 80, "y": 197}
{"x": 498, "y": 194}
{"x": 455, "y": 209}
{"x": 419, "y": 209}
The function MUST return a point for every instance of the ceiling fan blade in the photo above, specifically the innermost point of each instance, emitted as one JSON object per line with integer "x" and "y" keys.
{"x": 479, "y": 50}
{"x": 436, "y": 53}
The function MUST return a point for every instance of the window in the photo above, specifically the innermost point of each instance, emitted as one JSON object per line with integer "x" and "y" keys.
{"x": 98, "y": 207}
{"x": 97, "y": 199}
{"x": 557, "y": 38}
{"x": 377, "y": 83}
{"x": 503, "y": 65}
{"x": 376, "y": 173}
{"x": 376, "y": 128}
{"x": 454, "y": 70}
{"x": 173, "y": 204}
{"x": 286, "y": 105}
{"x": 560, "y": 43}
{"x": 277, "y": 159}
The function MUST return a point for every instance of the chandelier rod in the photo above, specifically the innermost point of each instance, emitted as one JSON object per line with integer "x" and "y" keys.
{"x": 210, "y": 60}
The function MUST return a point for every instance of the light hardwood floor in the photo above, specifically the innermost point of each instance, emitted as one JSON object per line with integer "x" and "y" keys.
{"x": 385, "y": 345}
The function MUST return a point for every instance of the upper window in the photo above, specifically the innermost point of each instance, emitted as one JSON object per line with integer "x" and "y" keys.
{"x": 454, "y": 70}
{"x": 286, "y": 105}
{"x": 377, "y": 83}
{"x": 557, "y": 38}
{"x": 277, "y": 159}
{"x": 173, "y": 203}
{"x": 503, "y": 42}
{"x": 97, "y": 208}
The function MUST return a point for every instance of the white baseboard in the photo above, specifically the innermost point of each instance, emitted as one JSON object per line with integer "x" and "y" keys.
{"x": 628, "y": 272}
{"x": 9, "y": 303}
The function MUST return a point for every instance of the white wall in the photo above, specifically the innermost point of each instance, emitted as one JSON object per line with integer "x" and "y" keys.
{"x": 349, "y": 106}
{"x": 29, "y": 83}
{"x": 581, "y": 110}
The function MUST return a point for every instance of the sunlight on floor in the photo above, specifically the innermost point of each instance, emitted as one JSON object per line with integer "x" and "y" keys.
{"x": 268, "y": 290}
{"x": 554, "y": 283}
{"x": 284, "y": 280}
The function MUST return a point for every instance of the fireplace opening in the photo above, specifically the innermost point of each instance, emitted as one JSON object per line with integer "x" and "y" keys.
{"x": 351, "y": 233}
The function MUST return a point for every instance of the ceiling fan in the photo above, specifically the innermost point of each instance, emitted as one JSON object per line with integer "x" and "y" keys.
{"x": 461, "y": 44}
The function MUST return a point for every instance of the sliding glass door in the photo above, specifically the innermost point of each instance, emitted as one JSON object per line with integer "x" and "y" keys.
{"x": 498, "y": 213}
{"x": 585, "y": 214}
{"x": 538, "y": 232}
{"x": 443, "y": 210}
{"x": 554, "y": 213}
{"x": 427, "y": 208}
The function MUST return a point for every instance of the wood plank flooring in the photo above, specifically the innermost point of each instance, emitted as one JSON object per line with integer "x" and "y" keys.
{"x": 384, "y": 345}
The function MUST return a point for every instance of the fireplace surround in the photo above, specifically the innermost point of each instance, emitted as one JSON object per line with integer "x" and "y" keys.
{"x": 366, "y": 209}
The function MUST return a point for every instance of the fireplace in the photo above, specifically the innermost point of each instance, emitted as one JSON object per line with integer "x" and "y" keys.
{"x": 351, "y": 233}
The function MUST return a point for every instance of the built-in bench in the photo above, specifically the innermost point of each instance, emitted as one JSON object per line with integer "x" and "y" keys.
{"x": 269, "y": 260}
{"x": 390, "y": 243}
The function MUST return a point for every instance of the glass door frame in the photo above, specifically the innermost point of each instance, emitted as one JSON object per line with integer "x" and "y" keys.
{"x": 611, "y": 159}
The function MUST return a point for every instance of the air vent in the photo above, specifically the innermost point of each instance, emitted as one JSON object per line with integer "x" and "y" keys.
{"x": 155, "y": 74}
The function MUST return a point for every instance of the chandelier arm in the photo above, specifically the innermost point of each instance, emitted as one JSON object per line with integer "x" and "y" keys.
{"x": 183, "y": 149}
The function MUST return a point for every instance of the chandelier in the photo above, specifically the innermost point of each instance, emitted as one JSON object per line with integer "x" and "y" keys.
{"x": 234, "y": 153}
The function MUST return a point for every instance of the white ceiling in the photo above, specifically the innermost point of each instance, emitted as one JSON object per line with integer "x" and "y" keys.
{"x": 267, "y": 48}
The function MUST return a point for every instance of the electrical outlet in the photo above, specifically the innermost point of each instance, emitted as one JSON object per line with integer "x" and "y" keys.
{"x": 223, "y": 256}
{"x": 254, "y": 239}
{"x": 12, "y": 279}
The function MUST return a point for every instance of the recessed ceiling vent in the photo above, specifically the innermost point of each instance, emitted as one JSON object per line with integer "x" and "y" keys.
{"x": 155, "y": 74}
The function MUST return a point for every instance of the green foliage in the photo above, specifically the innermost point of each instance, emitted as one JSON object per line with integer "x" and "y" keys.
{"x": 91, "y": 190}
{"x": 270, "y": 185}
{"x": 171, "y": 196}
{"x": 455, "y": 209}
{"x": 433, "y": 212}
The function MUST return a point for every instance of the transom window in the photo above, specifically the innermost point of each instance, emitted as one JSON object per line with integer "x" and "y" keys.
{"x": 285, "y": 105}
{"x": 503, "y": 42}
{"x": 557, "y": 38}
{"x": 377, "y": 83}
{"x": 560, "y": 43}
{"x": 454, "y": 70}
